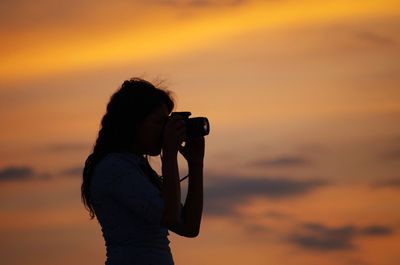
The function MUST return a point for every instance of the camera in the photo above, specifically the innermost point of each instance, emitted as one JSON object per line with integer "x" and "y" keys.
{"x": 195, "y": 127}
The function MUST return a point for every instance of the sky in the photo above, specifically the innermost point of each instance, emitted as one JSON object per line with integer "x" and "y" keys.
{"x": 302, "y": 161}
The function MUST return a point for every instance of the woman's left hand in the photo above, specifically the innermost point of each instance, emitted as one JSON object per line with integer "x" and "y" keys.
{"x": 193, "y": 151}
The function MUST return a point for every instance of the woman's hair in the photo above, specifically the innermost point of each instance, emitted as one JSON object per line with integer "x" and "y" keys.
{"x": 131, "y": 104}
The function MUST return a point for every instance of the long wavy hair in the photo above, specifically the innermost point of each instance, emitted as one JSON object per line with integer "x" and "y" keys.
{"x": 128, "y": 106}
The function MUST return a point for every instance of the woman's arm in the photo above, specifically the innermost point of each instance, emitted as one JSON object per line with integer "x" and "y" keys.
{"x": 193, "y": 207}
{"x": 174, "y": 133}
{"x": 171, "y": 191}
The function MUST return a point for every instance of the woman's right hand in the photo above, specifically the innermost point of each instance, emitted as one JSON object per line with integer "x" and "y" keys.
{"x": 174, "y": 134}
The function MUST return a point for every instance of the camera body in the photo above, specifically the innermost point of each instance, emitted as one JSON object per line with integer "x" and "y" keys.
{"x": 195, "y": 127}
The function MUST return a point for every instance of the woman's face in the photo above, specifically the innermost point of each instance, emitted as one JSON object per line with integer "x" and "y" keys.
{"x": 149, "y": 132}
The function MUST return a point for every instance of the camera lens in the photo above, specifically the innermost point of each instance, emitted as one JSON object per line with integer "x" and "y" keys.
{"x": 198, "y": 127}
{"x": 205, "y": 127}
{"x": 195, "y": 127}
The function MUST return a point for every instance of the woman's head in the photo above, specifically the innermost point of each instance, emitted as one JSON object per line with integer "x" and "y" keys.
{"x": 133, "y": 122}
{"x": 128, "y": 110}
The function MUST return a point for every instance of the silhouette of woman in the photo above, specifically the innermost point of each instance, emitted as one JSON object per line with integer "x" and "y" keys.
{"x": 133, "y": 205}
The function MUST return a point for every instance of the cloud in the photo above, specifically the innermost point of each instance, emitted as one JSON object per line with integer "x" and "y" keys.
{"x": 391, "y": 149}
{"x": 373, "y": 37}
{"x": 314, "y": 236}
{"x": 387, "y": 183}
{"x": 376, "y": 230}
{"x": 72, "y": 171}
{"x": 318, "y": 237}
{"x": 16, "y": 173}
{"x": 393, "y": 154}
{"x": 223, "y": 196}
{"x": 283, "y": 161}
{"x": 26, "y": 173}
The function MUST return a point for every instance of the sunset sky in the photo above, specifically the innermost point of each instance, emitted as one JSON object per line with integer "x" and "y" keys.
{"x": 303, "y": 159}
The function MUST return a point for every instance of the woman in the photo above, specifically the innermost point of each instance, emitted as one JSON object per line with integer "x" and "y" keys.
{"x": 133, "y": 205}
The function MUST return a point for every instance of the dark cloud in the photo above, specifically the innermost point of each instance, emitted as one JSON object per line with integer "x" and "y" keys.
{"x": 377, "y": 230}
{"x": 373, "y": 37}
{"x": 224, "y": 195}
{"x": 72, "y": 171}
{"x": 318, "y": 237}
{"x": 16, "y": 173}
{"x": 314, "y": 236}
{"x": 283, "y": 161}
{"x": 393, "y": 154}
{"x": 387, "y": 183}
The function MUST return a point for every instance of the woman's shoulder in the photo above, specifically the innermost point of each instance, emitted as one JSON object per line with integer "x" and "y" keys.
{"x": 118, "y": 162}
{"x": 121, "y": 157}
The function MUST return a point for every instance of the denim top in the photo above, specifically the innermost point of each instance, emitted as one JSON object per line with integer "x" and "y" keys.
{"x": 129, "y": 208}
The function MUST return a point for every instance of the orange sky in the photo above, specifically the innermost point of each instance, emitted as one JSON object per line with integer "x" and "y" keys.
{"x": 103, "y": 36}
{"x": 303, "y": 98}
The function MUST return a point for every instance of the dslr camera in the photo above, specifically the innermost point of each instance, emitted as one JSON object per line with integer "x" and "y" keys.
{"x": 195, "y": 127}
